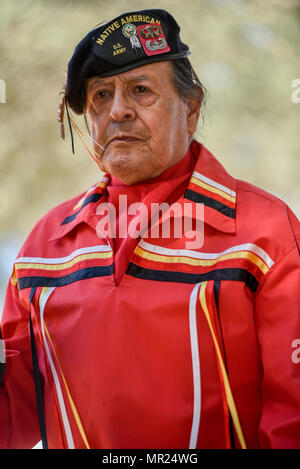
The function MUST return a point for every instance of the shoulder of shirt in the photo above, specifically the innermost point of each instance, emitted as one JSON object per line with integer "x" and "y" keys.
{"x": 254, "y": 193}
{"x": 266, "y": 212}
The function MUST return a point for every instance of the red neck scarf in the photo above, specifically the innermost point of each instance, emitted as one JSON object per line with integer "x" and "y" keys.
{"x": 167, "y": 187}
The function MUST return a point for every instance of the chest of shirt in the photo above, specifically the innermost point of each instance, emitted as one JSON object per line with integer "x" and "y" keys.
{"x": 145, "y": 340}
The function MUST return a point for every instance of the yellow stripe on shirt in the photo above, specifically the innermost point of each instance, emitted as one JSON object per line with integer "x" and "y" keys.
{"x": 66, "y": 265}
{"x": 206, "y": 186}
{"x": 203, "y": 262}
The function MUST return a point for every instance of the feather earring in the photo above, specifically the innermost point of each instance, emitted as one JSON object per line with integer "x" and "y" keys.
{"x": 61, "y": 111}
{"x": 62, "y": 106}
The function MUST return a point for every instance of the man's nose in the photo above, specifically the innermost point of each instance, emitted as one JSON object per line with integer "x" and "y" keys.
{"x": 121, "y": 109}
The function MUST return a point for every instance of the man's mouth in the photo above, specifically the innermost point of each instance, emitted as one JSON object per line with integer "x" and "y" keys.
{"x": 123, "y": 138}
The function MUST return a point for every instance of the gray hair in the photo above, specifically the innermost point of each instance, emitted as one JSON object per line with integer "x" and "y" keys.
{"x": 187, "y": 83}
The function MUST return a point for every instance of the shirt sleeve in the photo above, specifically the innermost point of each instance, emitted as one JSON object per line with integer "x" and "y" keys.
{"x": 18, "y": 412}
{"x": 277, "y": 318}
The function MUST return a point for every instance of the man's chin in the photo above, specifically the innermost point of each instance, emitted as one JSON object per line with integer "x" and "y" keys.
{"x": 130, "y": 166}
{"x": 124, "y": 167}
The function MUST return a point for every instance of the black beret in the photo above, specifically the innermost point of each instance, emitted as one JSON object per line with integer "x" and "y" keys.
{"x": 126, "y": 42}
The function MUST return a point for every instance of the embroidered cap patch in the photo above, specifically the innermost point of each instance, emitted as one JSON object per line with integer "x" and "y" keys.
{"x": 153, "y": 39}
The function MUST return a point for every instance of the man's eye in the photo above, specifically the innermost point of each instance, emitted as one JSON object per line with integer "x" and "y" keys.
{"x": 141, "y": 89}
{"x": 101, "y": 94}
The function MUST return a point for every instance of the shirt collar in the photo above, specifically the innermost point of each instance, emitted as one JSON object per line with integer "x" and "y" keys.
{"x": 84, "y": 210}
{"x": 210, "y": 185}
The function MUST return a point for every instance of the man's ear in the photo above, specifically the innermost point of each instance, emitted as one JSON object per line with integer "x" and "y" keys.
{"x": 194, "y": 106}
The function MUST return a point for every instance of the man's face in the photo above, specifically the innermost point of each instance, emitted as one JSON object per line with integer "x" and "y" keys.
{"x": 141, "y": 122}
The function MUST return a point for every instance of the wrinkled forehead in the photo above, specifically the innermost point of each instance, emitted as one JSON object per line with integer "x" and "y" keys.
{"x": 158, "y": 74}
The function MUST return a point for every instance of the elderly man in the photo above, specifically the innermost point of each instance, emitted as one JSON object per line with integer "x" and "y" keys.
{"x": 127, "y": 338}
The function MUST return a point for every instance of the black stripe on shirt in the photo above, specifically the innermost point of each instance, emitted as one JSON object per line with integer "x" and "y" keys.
{"x": 212, "y": 203}
{"x": 88, "y": 200}
{"x": 41, "y": 281}
{"x": 240, "y": 275}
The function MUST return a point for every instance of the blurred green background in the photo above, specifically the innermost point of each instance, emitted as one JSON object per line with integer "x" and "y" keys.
{"x": 246, "y": 52}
